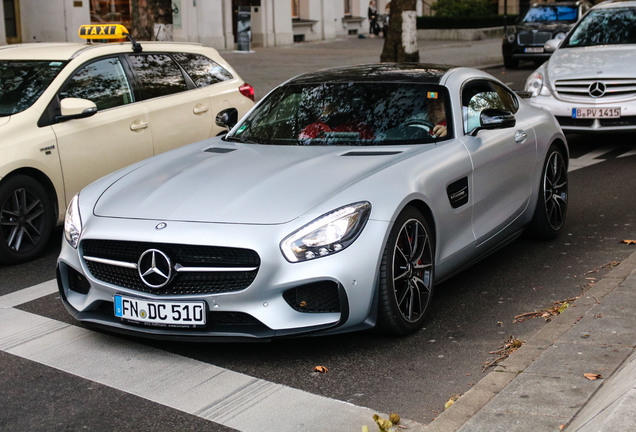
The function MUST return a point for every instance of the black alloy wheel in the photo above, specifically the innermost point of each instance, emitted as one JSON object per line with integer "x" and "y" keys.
{"x": 406, "y": 275}
{"x": 552, "y": 204}
{"x": 26, "y": 219}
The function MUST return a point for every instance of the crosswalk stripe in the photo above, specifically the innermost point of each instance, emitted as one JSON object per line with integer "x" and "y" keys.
{"x": 226, "y": 397}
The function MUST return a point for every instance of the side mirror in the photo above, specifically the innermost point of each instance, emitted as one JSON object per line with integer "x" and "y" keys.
{"x": 75, "y": 108}
{"x": 492, "y": 118}
{"x": 227, "y": 118}
{"x": 552, "y": 45}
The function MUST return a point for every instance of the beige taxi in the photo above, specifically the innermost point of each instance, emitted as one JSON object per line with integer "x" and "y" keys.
{"x": 71, "y": 113}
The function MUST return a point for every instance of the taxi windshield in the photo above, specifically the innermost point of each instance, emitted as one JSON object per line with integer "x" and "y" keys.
{"x": 23, "y": 81}
{"x": 360, "y": 114}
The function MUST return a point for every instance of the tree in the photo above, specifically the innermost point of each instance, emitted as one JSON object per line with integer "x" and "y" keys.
{"x": 464, "y": 8}
{"x": 400, "y": 44}
{"x": 145, "y": 14}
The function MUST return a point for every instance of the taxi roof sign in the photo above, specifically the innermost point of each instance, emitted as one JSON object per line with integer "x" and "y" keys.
{"x": 103, "y": 31}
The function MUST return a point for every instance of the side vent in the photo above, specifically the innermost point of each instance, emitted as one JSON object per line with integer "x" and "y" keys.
{"x": 371, "y": 153}
{"x": 458, "y": 192}
{"x": 220, "y": 150}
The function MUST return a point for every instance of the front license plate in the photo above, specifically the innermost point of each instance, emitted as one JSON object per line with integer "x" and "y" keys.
{"x": 162, "y": 313}
{"x": 534, "y": 50}
{"x": 596, "y": 112}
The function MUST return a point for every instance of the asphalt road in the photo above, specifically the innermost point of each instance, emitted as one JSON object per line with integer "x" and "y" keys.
{"x": 472, "y": 315}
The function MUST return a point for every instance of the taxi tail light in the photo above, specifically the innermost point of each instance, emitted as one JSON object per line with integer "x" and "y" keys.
{"x": 247, "y": 91}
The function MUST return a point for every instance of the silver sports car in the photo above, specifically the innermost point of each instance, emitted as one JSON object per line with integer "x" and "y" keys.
{"x": 334, "y": 205}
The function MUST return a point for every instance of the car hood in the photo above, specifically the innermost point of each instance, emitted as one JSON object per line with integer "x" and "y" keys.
{"x": 551, "y": 27}
{"x": 592, "y": 62}
{"x": 251, "y": 184}
{"x": 4, "y": 120}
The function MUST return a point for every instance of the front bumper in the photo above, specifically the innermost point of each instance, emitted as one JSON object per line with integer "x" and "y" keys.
{"x": 563, "y": 111}
{"x": 326, "y": 295}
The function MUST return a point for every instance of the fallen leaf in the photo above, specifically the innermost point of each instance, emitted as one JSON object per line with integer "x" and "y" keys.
{"x": 451, "y": 401}
{"x": 592, "y": 376}
{"x": 321, "y": 369}
{"x": 630, "y": 242}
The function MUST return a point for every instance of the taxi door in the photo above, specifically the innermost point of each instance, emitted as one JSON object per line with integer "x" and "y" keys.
{"x": 116, "y": 136}
{"x": 179, "y": 112}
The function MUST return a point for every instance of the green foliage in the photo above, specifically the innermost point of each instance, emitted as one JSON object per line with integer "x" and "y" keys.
{"x": 464, "y": 8}
{"x": 437, "y": 22}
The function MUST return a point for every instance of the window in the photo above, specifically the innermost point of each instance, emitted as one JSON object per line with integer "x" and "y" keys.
{"x": 295, "y": 11}
{"x": 480, "y": 95}
{"x": 347, "y": 7}
{"x": 202, "y": 70}
{"x": 102, "y": 82}
{"x": 158, "y": 75}
{"x": 23, "y": 81}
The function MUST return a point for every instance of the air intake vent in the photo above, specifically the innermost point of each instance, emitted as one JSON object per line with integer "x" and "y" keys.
{"x": 372, "y": 153}
{"x": 219, "y": 150}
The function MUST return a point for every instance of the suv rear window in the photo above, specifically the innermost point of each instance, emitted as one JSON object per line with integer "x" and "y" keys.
{"x": 158, "y": 75}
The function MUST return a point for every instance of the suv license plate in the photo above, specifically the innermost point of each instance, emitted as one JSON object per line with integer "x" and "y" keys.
{"x": 162, "y": 313}
{"x": 533, "y": 50}
{"x": 596, "y": 112}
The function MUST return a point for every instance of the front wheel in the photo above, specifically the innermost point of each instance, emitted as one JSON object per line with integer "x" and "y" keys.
{"x": 26, "y": 219}
{"x": 406, "y": 275}
{"x": 552, "y": 204}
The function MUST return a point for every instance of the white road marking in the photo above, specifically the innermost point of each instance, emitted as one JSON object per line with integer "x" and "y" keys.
{"x": 589, "y": 159}
{"x": 629, "y": 153}
{"x": 220, "y": 395}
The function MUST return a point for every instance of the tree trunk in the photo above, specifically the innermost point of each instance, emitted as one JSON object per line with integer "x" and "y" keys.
{"x": 400, "y": 44}
{"x": 145, "y": 14}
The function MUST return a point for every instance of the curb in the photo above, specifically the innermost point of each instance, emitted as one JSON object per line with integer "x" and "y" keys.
{"x": 469, "y": 405}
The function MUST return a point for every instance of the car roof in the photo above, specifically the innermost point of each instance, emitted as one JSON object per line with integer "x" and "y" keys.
{"x": 68, "y": 51}
{"x": 615, "y": 4}
{"x": 381, "y": 72}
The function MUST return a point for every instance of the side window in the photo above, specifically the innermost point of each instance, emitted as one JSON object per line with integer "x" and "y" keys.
{"x": 480, "y": 95}
{"x": 104, "y": 82}
{"x": 203, "y": 70}
{"x": 158, "y": 75}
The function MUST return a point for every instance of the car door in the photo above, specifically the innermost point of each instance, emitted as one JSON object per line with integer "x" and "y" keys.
{"x": 116, "y": 136}
{"x": 179, "y": 113}
{"x": 503, "y": 160}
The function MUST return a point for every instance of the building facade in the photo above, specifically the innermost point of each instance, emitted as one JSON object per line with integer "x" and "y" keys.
{"x": 210, "y": 22}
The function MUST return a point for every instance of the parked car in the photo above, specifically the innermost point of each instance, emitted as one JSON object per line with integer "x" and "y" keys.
{"x": 336, "y": 204}
{"x": 542, "y": 22}
{"x": 589, "y": 83}
{"x": 71, "y": 113}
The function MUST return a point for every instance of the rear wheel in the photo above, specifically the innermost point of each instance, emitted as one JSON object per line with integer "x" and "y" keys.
{"x": 406, "y": 275}
{"x": 26, "y": 219}
{"x": 552, "y": 204}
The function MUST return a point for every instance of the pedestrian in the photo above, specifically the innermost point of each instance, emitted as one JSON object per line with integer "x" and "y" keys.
{"x": 373, "y": 17}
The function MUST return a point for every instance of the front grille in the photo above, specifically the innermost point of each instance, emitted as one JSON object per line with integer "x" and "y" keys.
{"x": 317, "y": 297}
{"x": 210, "y": 268}
{"x": 569, "y": 121}
{"x": 628, "y": 121}
{"x": 533, "y": 38}
{"x": 613, "y": 87}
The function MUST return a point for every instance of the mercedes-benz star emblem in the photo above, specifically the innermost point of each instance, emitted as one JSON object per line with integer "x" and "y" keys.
{"x": 596, "y": 89}
{"x": 154, "y": 268}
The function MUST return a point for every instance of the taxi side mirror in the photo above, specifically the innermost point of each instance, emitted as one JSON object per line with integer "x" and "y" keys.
{"x": 227, "y": 118}
{"x": 74, "y": 108}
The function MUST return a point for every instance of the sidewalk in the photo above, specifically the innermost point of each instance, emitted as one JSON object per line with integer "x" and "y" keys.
{"x": 541, "y": 386}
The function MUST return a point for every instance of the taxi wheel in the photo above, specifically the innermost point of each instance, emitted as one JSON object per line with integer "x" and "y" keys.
{"x": 552, "y": 204}
{"x": 406, "y": 275}
{"x": 26, "y": 219}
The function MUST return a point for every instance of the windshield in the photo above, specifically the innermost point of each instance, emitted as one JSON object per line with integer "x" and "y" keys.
{"x": 23, "y": 81}
{"x": 613, "y": 26}
{"x": 550, "y": 13}
{"x": 363, "y": 114}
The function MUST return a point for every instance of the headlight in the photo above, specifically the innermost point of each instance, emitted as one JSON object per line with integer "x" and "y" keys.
{"x": 535, "y": 84}
{"x": 559, "y": 36}
{"x": 328, "y": 234}
{"x": 73, "y": 223}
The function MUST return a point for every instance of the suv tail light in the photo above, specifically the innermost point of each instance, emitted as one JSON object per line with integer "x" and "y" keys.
{"x": 247, "y": 91}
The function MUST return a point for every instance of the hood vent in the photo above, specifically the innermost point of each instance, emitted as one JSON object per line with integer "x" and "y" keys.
{"x": 372, "y": 153}
{"x": 219, "y": 150}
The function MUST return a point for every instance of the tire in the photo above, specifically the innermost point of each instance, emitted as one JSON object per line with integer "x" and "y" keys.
{"x": 406, "y": 275}
{"x": 552, "y": 203}
{"x": 26, "y": 219}
{"x": 510, "y": 63}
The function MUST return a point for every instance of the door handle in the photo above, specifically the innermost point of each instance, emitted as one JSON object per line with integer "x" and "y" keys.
{"x": 138, "y": 125}
{"x": 520, "y": 136}
{"x": 199, "y": 109}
